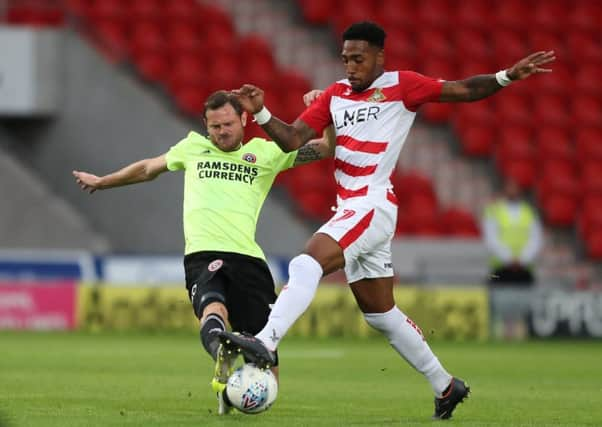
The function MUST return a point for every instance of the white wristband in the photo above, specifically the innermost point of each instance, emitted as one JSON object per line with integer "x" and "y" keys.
{"x": 502, "y": 78}
{"x": 263, "y": 116}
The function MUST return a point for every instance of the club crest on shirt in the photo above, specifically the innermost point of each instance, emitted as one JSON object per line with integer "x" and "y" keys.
{"x": 215, "y": 265}
{"x": 249, "y": 157}
{"x": 377, "y": 96}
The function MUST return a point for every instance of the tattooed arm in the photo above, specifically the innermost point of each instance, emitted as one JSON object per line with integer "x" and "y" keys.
{"x": 482, "y": 86}
{"x": 317, "y": 149}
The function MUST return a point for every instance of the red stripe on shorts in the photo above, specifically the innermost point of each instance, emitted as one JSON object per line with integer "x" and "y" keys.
{"x": 353, "y": 234}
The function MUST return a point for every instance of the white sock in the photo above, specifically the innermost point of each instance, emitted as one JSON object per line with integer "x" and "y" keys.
{"x": 405, "y": 337}
{"x": 294, "y": 298}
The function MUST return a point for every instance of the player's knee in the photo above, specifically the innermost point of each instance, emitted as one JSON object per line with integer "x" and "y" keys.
{"x": 304, "y": 264}
{"x": 380, "y": 321}
{"x": 202, "y": 301}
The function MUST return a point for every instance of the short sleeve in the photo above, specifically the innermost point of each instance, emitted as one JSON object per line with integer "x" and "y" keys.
{"x": 176, "y": 156}
{"x": 418, "y": 89}
{"x": 317, "y": 115}
{"x": 281, "y": 160}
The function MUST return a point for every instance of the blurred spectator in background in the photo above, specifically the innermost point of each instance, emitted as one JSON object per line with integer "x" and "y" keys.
{"x": 513, "y": 235}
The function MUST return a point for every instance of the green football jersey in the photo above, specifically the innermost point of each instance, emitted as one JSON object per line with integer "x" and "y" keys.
{"x": 224, "y": 192}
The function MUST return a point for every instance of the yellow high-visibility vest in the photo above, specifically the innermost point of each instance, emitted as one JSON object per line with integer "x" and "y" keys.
{"x": 514, "y": 232}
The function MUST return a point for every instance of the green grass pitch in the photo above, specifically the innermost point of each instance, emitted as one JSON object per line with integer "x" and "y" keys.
{"x": 60, "y": 379}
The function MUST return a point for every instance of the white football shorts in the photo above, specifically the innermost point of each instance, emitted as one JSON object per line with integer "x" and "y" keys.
{"x": 364, "y": 228}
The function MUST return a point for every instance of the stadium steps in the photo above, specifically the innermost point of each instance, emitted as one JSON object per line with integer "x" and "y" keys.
{"x": 34, "y": 216}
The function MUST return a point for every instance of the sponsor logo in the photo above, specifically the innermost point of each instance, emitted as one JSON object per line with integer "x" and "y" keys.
{"x": 206, "y": 151}
{"x": 351, "y": 117}
{"x": 415, "y": 326}
{"x": 347, "y": 92}
{"x": 274, "y": 337}
{"x": 377, "y": 96}
{"x": 193, "y": 291}
{"x": 249, "y": 157}
{"x": 388, "y": 265}
{"x": 215, "y": 265}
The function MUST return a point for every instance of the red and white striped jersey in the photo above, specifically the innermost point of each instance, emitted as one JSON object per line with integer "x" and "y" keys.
{"x": 371, "y": 127}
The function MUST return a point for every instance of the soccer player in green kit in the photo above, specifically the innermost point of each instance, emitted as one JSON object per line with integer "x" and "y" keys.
{"x": 225, "y": 185}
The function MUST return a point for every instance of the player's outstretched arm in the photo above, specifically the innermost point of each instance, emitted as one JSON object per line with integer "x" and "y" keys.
{"x": 482, "y": 86}
{"x": 317, "y": 149}
{"x": 288, "y": 137}
{"x": 141, "y": 171}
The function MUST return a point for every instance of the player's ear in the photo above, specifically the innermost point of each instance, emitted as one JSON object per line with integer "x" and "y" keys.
{"x": 243, "y": 118}
{"x": 380, "y": 58}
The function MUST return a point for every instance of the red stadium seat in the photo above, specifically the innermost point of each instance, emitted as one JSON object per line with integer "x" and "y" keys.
{"x": 554, "y": 143}
{"x": 509, "y": 47}
{"x": 214, "y": 18}
{"x": 513, "y": 108}
{"x": 316, "y": 205}
{"x": 511, "y": 14}
{"x": 180, "y": 11}
{"x": 587, "y": 79}
{"x": 559, "y": 82}
{"x": 186, "y": 71}
{"x": 550, "y": 16}
{"x": 473, "y": 43}
{"x": 107, "y": 10}
{"x": 521, "y": 170}
{"x": 254, "y": 48}
{"x": 473, "y": 14}
{"x": 397, "y": 14}
{"x": 153, "y": 66}
{"x": 114, "y": 35}
{"x": 147, "y": 37}
{"x": 411, "y": 182}
{"x": 584, "y": 47}
{"x": 436, "y": 42}
{"x": 516, "y": 137}
{"x": 586, "y": 16}
{"x": 190, "y": 99}
{"x": 439, "y": 68}
{"x": 560, "y": 210}
{"x": 554, "y": 169}
{"x": 591, "y": 176}
{"x": 594, "y": 244}
{"x": 457, "y": 222}
{"x": 184, "y": 38}
{"x": 587, "y": 110}
{"x": 435, "y": 13}
{"x": 472, "y": 114}
{"x": 436, "y": 112}
{"x": 589, "y": 143}
{"x": 400, "y": 45}
{"x": 551, "y": 110}
{"x": 318, "y": 12}
{"x": 477, "y": 140}
{"x": 144, "y": 10}
{"x": 78, "y": 8}
{"x": 361, "y": 10}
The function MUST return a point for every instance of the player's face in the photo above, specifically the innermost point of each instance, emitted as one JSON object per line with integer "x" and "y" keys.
{"x": 363, "y": 63}
{"x": 225, "y": 127}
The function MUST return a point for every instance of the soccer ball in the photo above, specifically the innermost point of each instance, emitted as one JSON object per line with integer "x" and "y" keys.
{"x": 252, "y": 390}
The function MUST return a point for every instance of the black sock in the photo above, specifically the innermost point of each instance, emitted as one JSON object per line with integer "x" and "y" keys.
{"x": 211, "y": 326}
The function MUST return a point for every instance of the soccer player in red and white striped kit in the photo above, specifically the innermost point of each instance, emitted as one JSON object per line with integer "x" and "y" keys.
{"x": 371, "y": 111}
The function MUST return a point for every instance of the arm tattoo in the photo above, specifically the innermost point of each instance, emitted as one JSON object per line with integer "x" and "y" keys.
{"x": 308, "y": 153}
{"x": 481, "y": 86}
{"x": 288, "y": 137}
